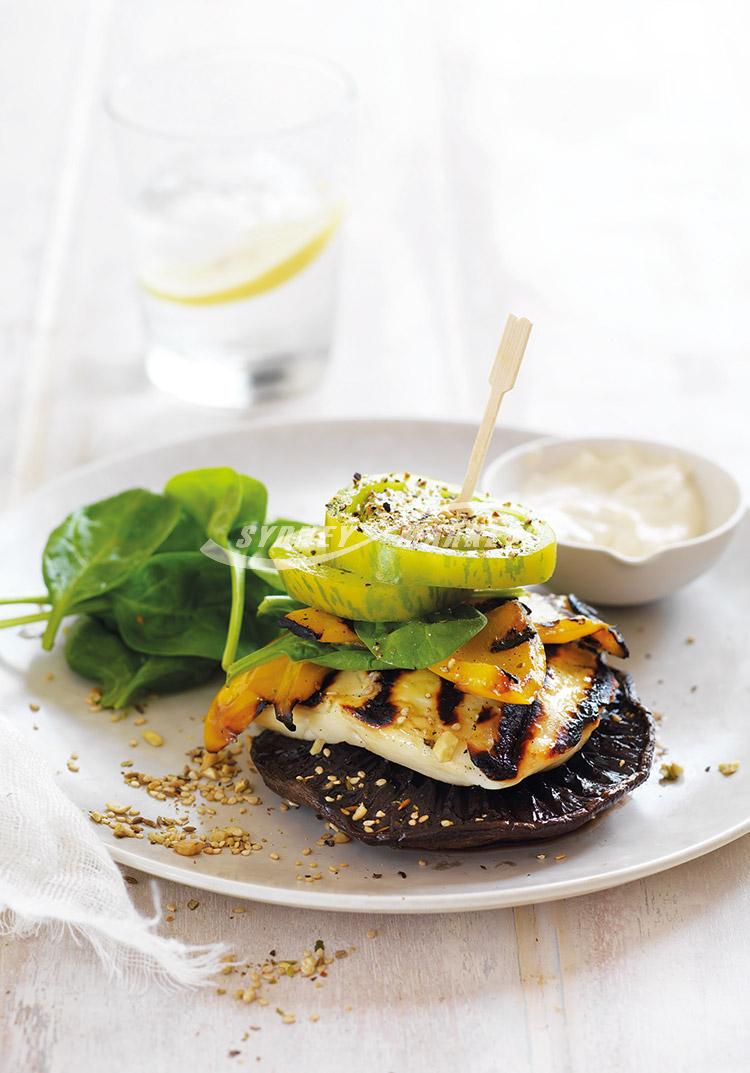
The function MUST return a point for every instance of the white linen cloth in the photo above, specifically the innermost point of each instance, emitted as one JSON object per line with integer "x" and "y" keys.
{"x": 55, "y": 874}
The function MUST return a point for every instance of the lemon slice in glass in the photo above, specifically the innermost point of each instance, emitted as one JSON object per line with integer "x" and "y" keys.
{"x": 273, "y": 253}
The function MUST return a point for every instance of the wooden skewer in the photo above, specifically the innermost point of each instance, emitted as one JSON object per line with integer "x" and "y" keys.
{"x": 502, "y": 378}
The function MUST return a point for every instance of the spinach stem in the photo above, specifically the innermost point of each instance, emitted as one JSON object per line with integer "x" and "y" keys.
{"x": 237, "y": 567}
{"x": 24, "y": 620}
{"x": 25, "y": 599}
{"x": 55, "y": 617}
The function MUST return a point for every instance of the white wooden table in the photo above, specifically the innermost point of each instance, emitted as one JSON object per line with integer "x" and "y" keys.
{"x": 586, "y": 165}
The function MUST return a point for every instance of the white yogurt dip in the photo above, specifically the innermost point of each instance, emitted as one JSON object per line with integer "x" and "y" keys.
{"x": 627, "y": 500}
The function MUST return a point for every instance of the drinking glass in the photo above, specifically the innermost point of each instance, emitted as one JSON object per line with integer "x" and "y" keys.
{"x": 235, "y": 170}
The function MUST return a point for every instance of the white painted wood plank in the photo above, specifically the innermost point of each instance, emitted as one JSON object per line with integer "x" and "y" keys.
{"x": 35, "y": 415}
{"x": 395, "y": 1001}
{"x": 650, "y": 976}
{"x": 654, "y": 970}
{"x": 40, "y": 44}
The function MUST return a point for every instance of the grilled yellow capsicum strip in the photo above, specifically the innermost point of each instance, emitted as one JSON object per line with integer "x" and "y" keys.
{"x": 281, "y": 682}
{"x": 561, "y": 619}
{"x": 505, "y": 661}
{"x": 321, "y": 626}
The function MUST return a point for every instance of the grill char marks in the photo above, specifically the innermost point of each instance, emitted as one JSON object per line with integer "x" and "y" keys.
{"x": 448, "y": 699}
{"x": 580, "y": 608}
{"x": 380, "y": 709}
{"x": 285, "y": 711}
{"x": 512, "y": 639}
{"x": 550, "y": 612}
{"x": 578, "y": 689}
{"x": 589, "y": 710}
{"x": 299, "y": 630}
{"x": 515, "y": 726}
{"x": 314, "y": 700}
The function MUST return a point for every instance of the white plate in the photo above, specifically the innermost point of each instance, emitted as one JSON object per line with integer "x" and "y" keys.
{"x": 701, "y": 687}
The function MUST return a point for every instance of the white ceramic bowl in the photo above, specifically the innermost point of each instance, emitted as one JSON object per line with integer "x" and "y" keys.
{"x": 604, "y": 576}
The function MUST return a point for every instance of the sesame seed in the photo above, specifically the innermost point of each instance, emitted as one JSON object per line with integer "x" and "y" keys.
{"x": 730, "y": 768}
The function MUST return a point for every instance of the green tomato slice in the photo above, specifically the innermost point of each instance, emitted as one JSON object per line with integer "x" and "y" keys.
{"x": 312, "y": 575}
{"x": 402, "y": 529}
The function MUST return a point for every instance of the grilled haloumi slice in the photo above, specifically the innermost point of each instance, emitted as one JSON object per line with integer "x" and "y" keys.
{"x": 421, "y": 721}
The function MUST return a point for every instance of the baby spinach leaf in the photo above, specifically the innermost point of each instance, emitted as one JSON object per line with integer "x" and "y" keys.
{"x": 227, "y": 504}
{"x": 187, "y": 535}
{"x": 166, "y": 674}
{"x": 101, "y": 610}
{"x": 96, "y": 653}
{"x": 176, "y": 604}
{"x": 422, "y": 641}
{"x": 338, "y": 657}
{"x": 397, "y": 645}
{"x": 99, "y": 655}
{"x": 211, "y": 496}
{"x": 96, "y": 547}
{"x": 222, "y": 501}
{"x": 259, "y": 629}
